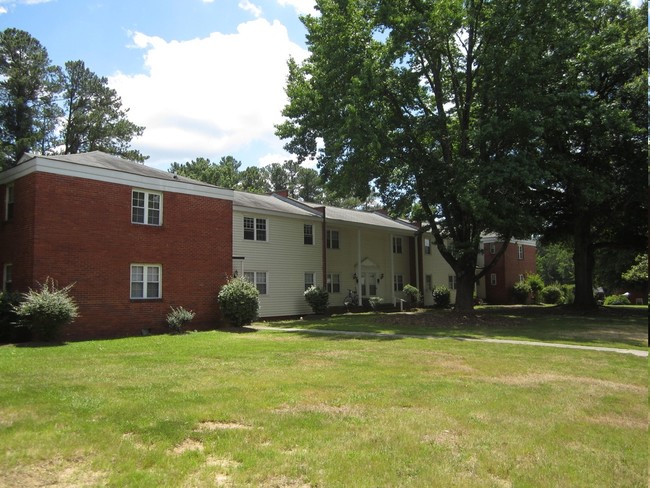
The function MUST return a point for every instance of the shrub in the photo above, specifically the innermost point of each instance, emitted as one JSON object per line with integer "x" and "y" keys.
{"x": 375, "y": 302}
{"x": 536, "y": 284}
{"x": 522, "y": 290}
{"x": 569, "y": 293}
{"x": 46, "y": 310}
{"x": 178, "y": 318}
{"x": 441, "y": 296}
{"x": 318, "y": 299}
{"x": 552, "y": 294}
{"x": 9, "y": 327}
{"x": 412, "y": 293}
{"x": 617, "y": 300}
{"x": 239, "y": 301}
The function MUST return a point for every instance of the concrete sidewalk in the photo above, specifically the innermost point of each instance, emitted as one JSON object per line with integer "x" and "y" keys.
{"x": 634, "y": 352}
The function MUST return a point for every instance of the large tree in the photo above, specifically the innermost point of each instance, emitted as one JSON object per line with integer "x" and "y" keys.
{"x": 28, "y": 82}
{"x": 430, "y": 102}
{"x": 596, "y": 137}
{"x": 94, "y": 116}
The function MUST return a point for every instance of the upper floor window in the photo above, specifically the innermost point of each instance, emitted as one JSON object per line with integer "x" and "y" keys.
{"x": 493, "y": 248}
{"x": 397, "y": 245}
{"x": 493, "y": 279}
{"x": 428, "y": 282}
{"x": 309, "y": 280}
{"x": 254, "y": 229}
{"x": 7, "y": 280}
{"x": 258, "y": 278}
{"x": 520, "y": 251}
{"x": 308, "y": 234}
{"x": 427, "y": 246}
{"x": 146, "y": 281}
{"x": 333, "y": 239}
{"x": 9, "y": 201}
{"x": 146, "y": 208}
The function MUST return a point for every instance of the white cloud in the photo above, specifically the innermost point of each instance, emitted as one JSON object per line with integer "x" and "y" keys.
{"x": 250, "y": 7}
{"x": 302, "y": 7}
{"x": 3, "y": 10}
{"x": 212, "y": 96}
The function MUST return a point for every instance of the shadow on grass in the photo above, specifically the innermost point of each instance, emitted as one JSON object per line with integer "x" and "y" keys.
{"x": 602, "y": 327}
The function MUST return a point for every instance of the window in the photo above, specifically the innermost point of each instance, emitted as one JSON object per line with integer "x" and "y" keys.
{"x": 309, "y": 280}
{"x": 254, "y": 229}
{"x": 427, "y": 246}
{"x": 493, "y": 248}
{"x": 452, "y": 282}
{"x": 7, "y": 281}
{"x": 333, "y": 283}
{"x": 520, "y": 251}
{"x": 309, "y": 234}
{"x": 146, "y": 208}
{"x": 493, "y": 279}
{"x": 428, "y": 282}
{"x": 258, "y": 278}
{"x": 522, "y": 278}
{"x": 145, "y": 281}
{"x": 398, "y": 282}
{"x": 9, "y": 201}
{"x": 333, "y": 239}
{"x": 397, "y": 245}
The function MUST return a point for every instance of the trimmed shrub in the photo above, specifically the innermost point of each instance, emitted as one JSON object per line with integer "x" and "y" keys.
{"x": 412, "y": 293}
{"x": 179, "y": 318}
{"x": 522, "y": 291}
{"x": 617, "y": 300}
{"x": 375, "y": 302}
{"x": 536, "y": 284}
{"x": 239, "y": 301}
{"x": 441, "y": 296}
{"x": 318, "y": 299}
{"x": 552, "y": 294}
{"x": 46, "y": 310}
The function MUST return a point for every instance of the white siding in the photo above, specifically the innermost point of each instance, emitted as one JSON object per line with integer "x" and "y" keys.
{"x": 435, "y": 265}
{"x": 284, "y": 257}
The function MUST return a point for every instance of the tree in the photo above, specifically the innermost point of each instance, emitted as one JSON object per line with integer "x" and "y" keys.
{"x": 27, "y": 84}
{"x": 638, "y": 273}
{"x": 252, "y": 180}
{"x": 429, "y": 102}
{"x": 200, "y": 169}
{"x": 95, "y": 119}
{"x": 555, "y": 263}
{"x": 595, "y": 136}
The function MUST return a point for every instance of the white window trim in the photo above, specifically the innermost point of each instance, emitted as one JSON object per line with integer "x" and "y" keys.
{"x": 396, "y": 282}
{"x": 313, "y": 279}
{"x": 304, "y": 234}
{"x": 427, "y": 247}
{"x": 520, "y": 251}
{"x": 428, "y": 282}
{"x": 493, "y": 248}
{"x": 397, "y": 245}
{"x": 145, "y": 282}
{"x": 255, "y": 220}
{"x": 146, "y": 207}
{"x": 330, "y": 282}
{"x": 329, "y": 239}
{"x": 493, "y": 279}
{"x": 5, "y": 273}
{"x": 9, "y": 192}
{"x": 254, "y": 282}
{"x": 451, "y": 282}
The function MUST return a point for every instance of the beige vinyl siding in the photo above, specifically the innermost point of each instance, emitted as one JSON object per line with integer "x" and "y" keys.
{"x": 435, "y": 265}
{"x": 376, "y": 249}
{"x": 285, "y": 259}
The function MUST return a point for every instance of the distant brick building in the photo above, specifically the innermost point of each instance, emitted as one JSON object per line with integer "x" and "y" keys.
{"x": 518, "y": 261}
{"x": 134, "y": 240}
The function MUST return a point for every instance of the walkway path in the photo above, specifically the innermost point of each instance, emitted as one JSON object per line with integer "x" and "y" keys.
{"x": 634, "y": 352}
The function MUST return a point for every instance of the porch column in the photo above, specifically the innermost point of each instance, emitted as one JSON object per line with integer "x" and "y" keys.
{"x": 359, "y": 267}
{"x": 392, "y": 270}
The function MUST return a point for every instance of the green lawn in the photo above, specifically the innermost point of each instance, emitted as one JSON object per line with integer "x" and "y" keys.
{"x": 292, "y": 410}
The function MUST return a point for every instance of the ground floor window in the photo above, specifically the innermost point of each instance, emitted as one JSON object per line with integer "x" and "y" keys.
{"x": 7, "y": 280}
{"x": 333, "y": 283}
{"x": 398, "y": 282}
{"x": 259, "y": 279}
{"x": 309, "y": 280}
{"x": 452, "y": 282}
{"x": 428, "y": 282}
{"x": 146, "y": 281}
{"x": 493, "y": 279}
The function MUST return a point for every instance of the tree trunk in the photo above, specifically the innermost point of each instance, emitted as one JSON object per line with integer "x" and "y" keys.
{"x": 465, "y": 290}
{"x": 583, "y": 262}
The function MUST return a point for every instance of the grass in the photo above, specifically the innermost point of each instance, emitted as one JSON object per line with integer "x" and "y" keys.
{"x": 290, "y": 410}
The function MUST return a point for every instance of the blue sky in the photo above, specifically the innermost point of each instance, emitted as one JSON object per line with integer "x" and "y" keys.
{"x": 205, "y": 77}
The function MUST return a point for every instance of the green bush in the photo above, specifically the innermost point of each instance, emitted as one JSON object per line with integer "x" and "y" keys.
{"x": 441, "y": 296}
{"x": 536, "y": 284}
{"x": 412, "y": 293}
{"x": 375, "y": 302}
{"x": 46, "y": 310}
{"x": 179, "y": 318}
{"x": 239, "y": 301}
{"x": 10, "y": 329}
{"x": 552, "y": 294}
{"x": 617, "y": 300}
{"x": 318, "y": 299}
{"x": 569, "y": 293}
{"x": 522, "y": 291}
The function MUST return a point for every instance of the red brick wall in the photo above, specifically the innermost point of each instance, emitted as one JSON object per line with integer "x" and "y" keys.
{"x": 508, "y": 269}
{"x": 84, "y": 235}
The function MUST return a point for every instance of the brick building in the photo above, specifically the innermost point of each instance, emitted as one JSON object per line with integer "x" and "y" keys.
{"x": 134, "y": 240}
{"x": 518, "y": 261}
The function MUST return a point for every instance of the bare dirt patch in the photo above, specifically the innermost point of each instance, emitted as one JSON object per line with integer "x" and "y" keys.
{"x": 285, "y": 482}
{"x": 57, "y": 472}
{"x": 209, "y": 425}
{"x": 335, "y": 410}
{"x": 187, "y": 445}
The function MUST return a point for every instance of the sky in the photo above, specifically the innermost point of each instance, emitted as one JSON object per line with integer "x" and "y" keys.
{"x": 205, "y": 77}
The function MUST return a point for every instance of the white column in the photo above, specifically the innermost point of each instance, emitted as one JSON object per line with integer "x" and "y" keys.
{"x": 392, "y": 270}
{"x": 359, "y": 266}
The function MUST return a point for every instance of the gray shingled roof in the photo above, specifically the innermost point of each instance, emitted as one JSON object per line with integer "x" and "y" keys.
{"x": 375, "y": 219}
{"x": 98, "y": 159}
{"x": 271, "y": 203}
